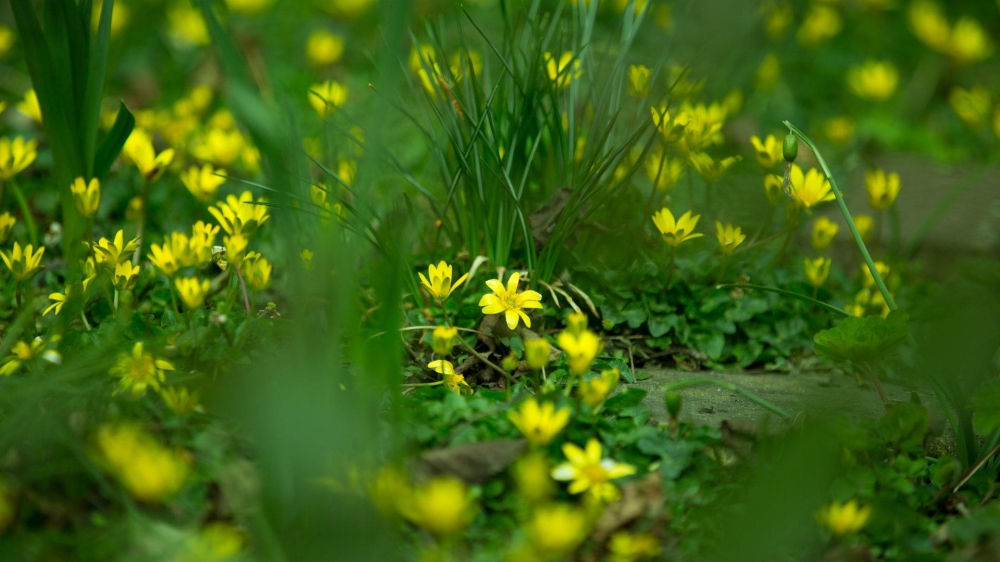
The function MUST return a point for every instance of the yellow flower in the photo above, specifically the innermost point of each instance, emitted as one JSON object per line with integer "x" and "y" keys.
{"x": 509, "y": 302}
{"x": 867, "y": 279}
{"x": 87, "y": 196}
{"x": 149, "y": 471}
{"x": 556, "y": 530}
{"x": 452, "y": 380}
{"x": 768, "y": 152}
{"x": 240, "y": 214}
{"x": 768, "y": 73}
{"x": 638, "y": 80}
{"x": 235, "y": 246}
{"x": 181, "y": 400}
{"x": 536, "y": 352}
{"x": 443, "y": 506}
{"x": 139, "y": 370}
{"x": 581, "y": 348}
{"x": 443, "y": 339}
{"x": 559, "y": 71}
{"x": 576, "y": 323}
{"x": 120, "y": 15}
{"x": 350, "y": 9}
{"x": 7, "y": 38}
{"x": 820, "y": 24}
{"x": 844, "y": 518}
{"x": 23, "y": 264}
{"x": 711, "y": 169}
{"x": 327, "y": 96}
{"x": 817, "y": 270}
{"x": 389, "y": 490}
{"x": 539, "y": 423}
{"x": 679, "y": 231}
{"x": 256, "y": 272}
{"x": 670, "y": 125}
{"x": 823, "y": 233}
{"x": 440, "y": 286}
{"x": 778, "y": 18}
{"x": 186, "y": 25}
{"x": 16, "y": 155}
{"x": 192, "y": 291}
{"x": 113, "y": 253}
{"x": 972, "y": 105}
{"x": 307, "y": 258}
{"x": 839, "y": 130}
{"x": 874, "y": 80}
{"x": 865, "y": 225}
{"x": 72, "y": 291}
{"x": 773, "y": 188}
{"x": 730, "y": 237}
{"x": 589, "y": 472}
{"x": 219, "y": 146}
{"x": 531, "y": 475}
{"x": 969, "y": 41}
{"x": 125, "y": 276}
{"x": 595, "y": 390}
{"x": 324, "y": 48}
{"x": 203, "y": 182}
{"x": 22, "y": 352}
{"x": 7, "y": 223}
{"x": 139, "y": 149}
{"x": 929, "y": 25}
{"x": 662, "y": 171}
{"x": 809, "y": 189}
{"x": 703, "y": 128}
{"x": 201, "y": 242}
{"x": 172, "y": 255}
{"x": 249, "y": 7}
{"x": 628, "y": 547}
{"x": 30, "y": 107}
{"x": 882, "y": 188}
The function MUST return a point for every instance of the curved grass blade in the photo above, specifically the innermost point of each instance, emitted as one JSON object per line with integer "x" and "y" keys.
{"x": 112, "y": 144}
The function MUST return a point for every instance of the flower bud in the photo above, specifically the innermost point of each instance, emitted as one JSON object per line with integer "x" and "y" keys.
{"x": 536, "y": 353}
{"x": 790, "y": 148}
{"x": 443, "y": 339}
{"x": 673, "y": 401}
{"x": 509, "y": 362}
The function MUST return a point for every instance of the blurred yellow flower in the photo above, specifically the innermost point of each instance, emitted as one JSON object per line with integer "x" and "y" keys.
{"x": 556, "y": 530}
{"x": 559, "y": 71}
{"x": 443, "y": 339}
{"x": 240, "y": 214}
{"x": 327, "y": 96}
{"x": 149, "y": 471}
{"x": 768, "y": 73}
{"x": 72, "y": 291}
{"x": 112, "y": 253}
{"x": 865, "y": 225}
{"x": 676, "y": 232}
{"x": 7, "y": 39}
{"x": 22, "y": 352}
{"x": 576, "y": 323}
{"x": 203, "y": 182}
{"x": 882, "y": 188}
{"x": 821, "y": 23}
{"x": 389, "y": 490}
{"x": 348, "y": 8}
{"x": 817, "y": 270}
{"x": 444, "y": 506}
{"x": 581, "y": 348}
{"x": 531, "y": 475}
{"x": 23, "y": 264}
{"x": 7, "y": 223}
{"x": 670, "y": 125}
{"x": 768, "y": 151}
{"x": 508, "y": 301}
{"x": 125, "y": 276}
{"x": 539, "y": 423}
{"x": 324, "y": 48}
{"x": 839, "y": 130}
{"x": 664, "y": 172}
{"x": 235, "y": 246}
{"x": 874, "y": 80}
{"x": 778, "y": 17}
{"x": 186, "y": 26}
{"x": 217, "y": 542}
{"x": 809, "y": 189}
{"x": 440, "y": 285}
{"x": 536, "y": 352}
{"x": 139, "y": 370}
{"x": 248, "y": 7}
{"x": 192, "y": 291}
{"x": 595, "y": 390}
{"x": 120, "y": 15}
{"x": 16, "y": 155}
{"x": 30, "y": 107}
{"x": 639, "y": 77}
{"x": 844, "y": 518}
{"x": 220, "y": 146}
{"x": 87, "y": 196}
{"x": 969, "y": 41}
{"x": 823, "y": 233}
{"x": 773, "y": 188}
{"x": 257, "y": 272}
{"x": 867, "y": 279}
{"x": 711, "y": 169}
{"x": 181, "y": 400}
{"x": 730, "y": 237}
{"x": 627, "y": 547}
{"x": 589, "y": 472}
{"x": 452, "y": 380}
{"x": 929, "y": 24}
{"x": 139, "y": 149}
{"x": 972, "y": 106}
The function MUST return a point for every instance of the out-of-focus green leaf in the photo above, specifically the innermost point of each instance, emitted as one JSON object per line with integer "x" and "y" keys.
{"x": 986, "y": 403}
{"x": 863, "y": 340}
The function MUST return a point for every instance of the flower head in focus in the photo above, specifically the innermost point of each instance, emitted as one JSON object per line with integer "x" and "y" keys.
{"x": 440, "y": 285}
{"x": 508, "y": 301}
{"x": 112, "y": 253}
{"x": 677, "y": 231}
{"x": 730, "y": 237}
{"x": 240, "y": 214}
{"x": 809, "y": 189}
{"x": 23, "y": 263}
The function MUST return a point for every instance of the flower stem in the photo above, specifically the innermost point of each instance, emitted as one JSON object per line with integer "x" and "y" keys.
{"x": 29, "y": 219}
{"x": 142, "y": 221}
{"x": 243, "y": 288}
{"x": 847, "y": 215}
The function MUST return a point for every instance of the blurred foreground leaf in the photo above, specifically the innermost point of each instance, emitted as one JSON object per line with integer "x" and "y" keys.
{"x": 863, "y": 340}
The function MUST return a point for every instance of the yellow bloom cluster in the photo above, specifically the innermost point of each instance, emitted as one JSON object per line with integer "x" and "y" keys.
{"x": 966, "y": 42}
{"x": 151, "y": 472}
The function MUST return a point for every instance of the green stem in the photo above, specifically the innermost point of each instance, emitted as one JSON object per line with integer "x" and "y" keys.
{"x": 847, "y": 216}
{"x": 732, "y": 388}
{"x": 435, "y": 383}
{"x": 29, "y": 219}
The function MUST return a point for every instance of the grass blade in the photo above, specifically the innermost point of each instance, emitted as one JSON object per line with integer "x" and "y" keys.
{"x": 113, "y": 143}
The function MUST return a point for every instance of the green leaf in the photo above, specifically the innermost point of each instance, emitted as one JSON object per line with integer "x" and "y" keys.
{"x": 113, "y": 143}
{"x": 986, "y": 403}
{"x": 625, "y": 399}
{"x": 905, "y": 424}
{"x": 90, "y": 111}
{"x": 863, "y": 340}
